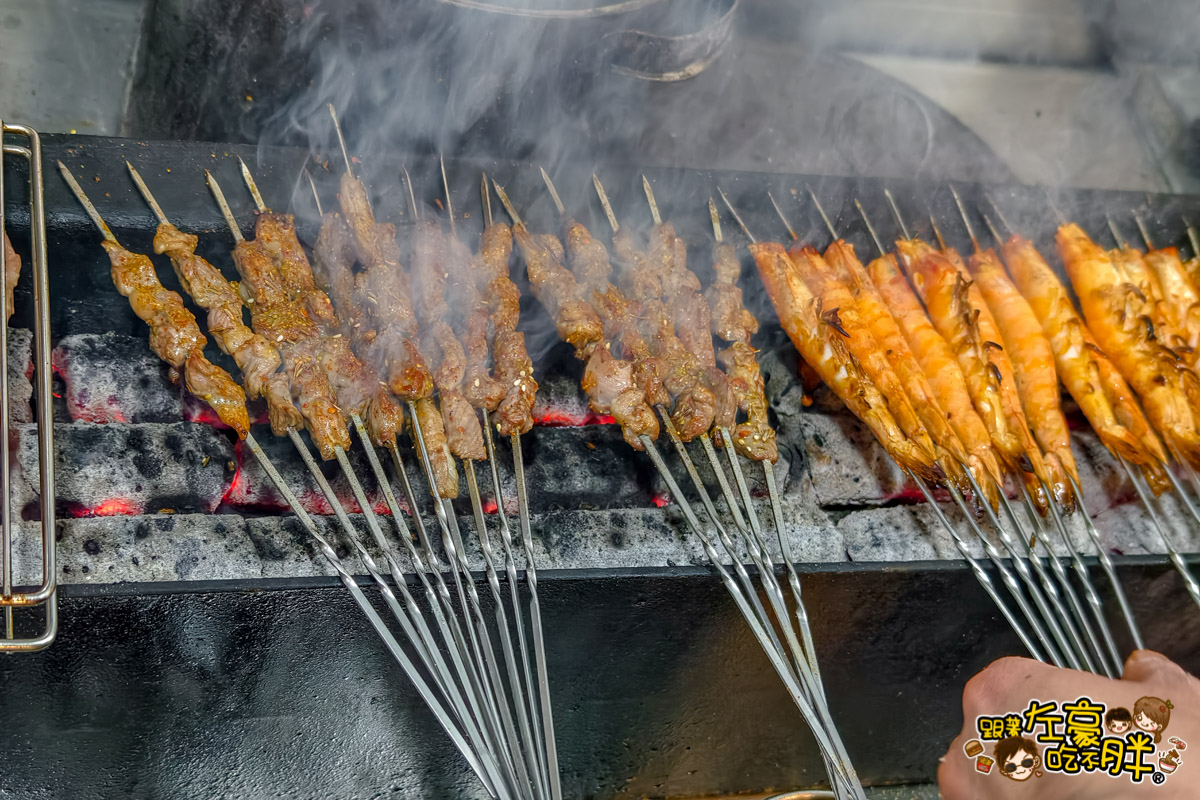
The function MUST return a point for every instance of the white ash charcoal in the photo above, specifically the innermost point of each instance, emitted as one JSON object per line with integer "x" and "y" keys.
{"x": 845, "y": 463}
{"x": 113, "y": 378}
{"x": 128, "y": 469}
{"x": 905, "y": 533}
{"x": 253, "y": 490}
{"x": 20, "y": 374}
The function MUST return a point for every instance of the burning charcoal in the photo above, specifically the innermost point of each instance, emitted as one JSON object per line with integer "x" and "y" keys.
{"x": 106, "y": 470}
{"x": 845, "y": 463}
{"x": 112, "y": 378}
{"x": 252, "y": 490}
{"x": 20, "y": 372}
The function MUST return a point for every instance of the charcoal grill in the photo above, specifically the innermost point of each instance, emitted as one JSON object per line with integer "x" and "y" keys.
{"x": 184, "y": 586}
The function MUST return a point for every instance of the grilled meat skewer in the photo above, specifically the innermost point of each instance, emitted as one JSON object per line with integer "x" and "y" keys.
{"x": 174, "y": 335}
{"x": 607, "y": 380}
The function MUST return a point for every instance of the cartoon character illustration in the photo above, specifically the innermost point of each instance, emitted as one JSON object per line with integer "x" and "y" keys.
{"x": 1152, "y": 714}
{"x": 1168, "y": 762}
{"x": 1017, "y": 757}
{"x": 1118, "y": 720}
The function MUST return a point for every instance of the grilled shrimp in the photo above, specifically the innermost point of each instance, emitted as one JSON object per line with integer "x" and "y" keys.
{"x": 837, "y": 308}
{"x": 941, "y": 369}
{"x": 1078, "y": 360}
{"x": 1032, "y": 363}
{"x": 1118, "y": 320}
{"x": 944, "y": 289}
{"x": 845, "y": 265}
{"x": 825, "y": 351}
{"x": 1180, "y": 302}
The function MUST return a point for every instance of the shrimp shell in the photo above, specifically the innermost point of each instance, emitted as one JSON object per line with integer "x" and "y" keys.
{"x": 1180, "y": 301}
{"x": 841, "y": 311}
{"x": 1081, "y": 366}
{"x": 1116, "y": 319}
{"x": 944, "y": 290}
{"x": 937, "y": 361}
{"x": 1032, "y": 363}
{"x": 844, "y": 264}
{"x": 825, "y": 351}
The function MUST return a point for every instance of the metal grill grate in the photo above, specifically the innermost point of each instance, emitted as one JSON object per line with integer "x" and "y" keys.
{"x": 23, "y": 630}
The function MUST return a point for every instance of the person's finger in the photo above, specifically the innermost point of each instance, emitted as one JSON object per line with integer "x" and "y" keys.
{"x": 954, "y": 773}
{"x": 1145, "y": 666}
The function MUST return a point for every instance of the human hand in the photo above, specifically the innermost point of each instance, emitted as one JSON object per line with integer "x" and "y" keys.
{"x": 1007, "y": 686}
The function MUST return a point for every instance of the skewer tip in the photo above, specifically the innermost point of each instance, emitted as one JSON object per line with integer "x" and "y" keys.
{"x": 782, "y": 218}
{"x": 446, "y": 191}
{"x": 862, "y": 212}
{"x": 896, "y": 212}
{"x": 77, "y": 190}
{"x": 716, "y": 220}
{"x": 962, "y": 211}
{"x": 508, "y": 206}
{"x": 650, "y": 199}
{"x": 608, "y": 209}
{"x": 412, "y": 199}
{"x": 558, "y": 204}
{"x": 737, "y": 217}
{"x": 821, "y": 210}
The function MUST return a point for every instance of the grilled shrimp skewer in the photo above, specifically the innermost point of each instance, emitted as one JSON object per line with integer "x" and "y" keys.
{"x": 1033, "y": 370}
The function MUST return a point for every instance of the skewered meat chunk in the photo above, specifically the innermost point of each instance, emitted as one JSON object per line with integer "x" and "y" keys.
{"x": 692, "y": 320}
{"x": 440, "y": 345}
{"x": 383, "y": 290}
{"x": 175, "y": 337}
{"x": 463, "y": 432}
{"x": 256, "y": 357}
{"x": 445, "y": 473}
{"x": 647, "y": 333}
{"x": 284, "y": 322}
{"x": 492, "y": 281}
{"x": 12, "y": 273}
{"x": 730, "y": 319}
{"x": 511, "y": 366}
{"x": 754, "y": 438}
{"x": 514, "y": 372}
{"x": 218, "y": 389}
{"x": 611, "y": 389}
{"x": 277, "y": 235}
{"x": 333, "y": 262}
{"x": 556, "y": 289}
{"x": 472, "y": 319}
{"x": 173, "y": 330}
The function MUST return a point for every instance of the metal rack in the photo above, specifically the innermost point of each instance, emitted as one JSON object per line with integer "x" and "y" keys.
{"x": 22, "y": 631}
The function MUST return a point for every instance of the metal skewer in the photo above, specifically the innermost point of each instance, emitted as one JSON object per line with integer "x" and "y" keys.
{"x": 1096, "y": 653}
{"x": 544, "y": 736}
{"x": 449, "y": 720}
{"x": 485, "y": 735}
{"x": 1010, "y": 582}
{"x": 522, "y": 692}
{"x": 426, "y": 562}
{"x": 761, "y": 631}
{"x": 1019, "y": 560}
{"x": 1089, "y": 526}
{"x": 452, "y": 542}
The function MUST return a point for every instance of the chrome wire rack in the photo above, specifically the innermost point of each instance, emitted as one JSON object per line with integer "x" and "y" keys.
{"x": 30, "y": 611}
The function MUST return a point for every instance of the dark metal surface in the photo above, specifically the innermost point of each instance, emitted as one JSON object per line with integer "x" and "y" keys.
{"x": 270, "y": 690}
{"x": 554, "y": 91}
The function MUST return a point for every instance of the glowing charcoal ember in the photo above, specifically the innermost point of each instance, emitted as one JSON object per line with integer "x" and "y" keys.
{"x": 106, "y": 508}
{"x": 153, "y": 466}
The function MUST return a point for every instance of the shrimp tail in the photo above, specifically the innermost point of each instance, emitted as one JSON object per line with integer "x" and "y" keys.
{"x": 1059, "y": 483}
{"x": 1121, "y": 442}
